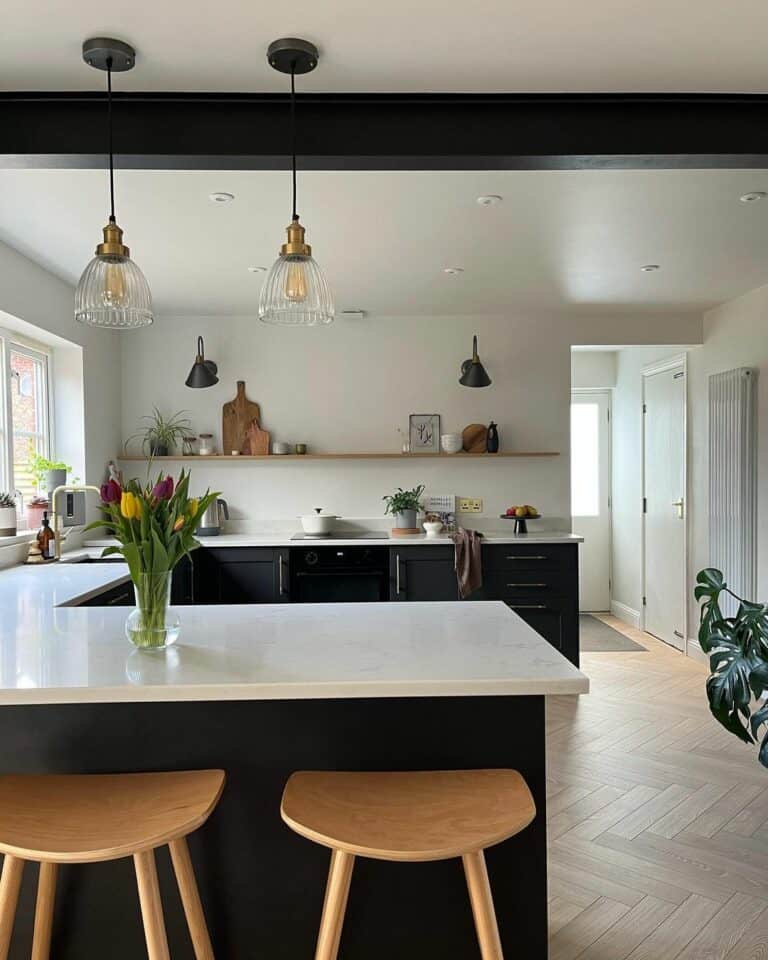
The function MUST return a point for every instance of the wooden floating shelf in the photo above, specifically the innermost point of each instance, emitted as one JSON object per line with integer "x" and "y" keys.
{"x": 352, "y": 456}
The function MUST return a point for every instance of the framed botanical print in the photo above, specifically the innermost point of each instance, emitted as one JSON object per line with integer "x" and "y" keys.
{"x": 424, "y": 432}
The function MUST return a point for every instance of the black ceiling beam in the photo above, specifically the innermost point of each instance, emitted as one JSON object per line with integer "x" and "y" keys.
{"x": 388, "y": 131}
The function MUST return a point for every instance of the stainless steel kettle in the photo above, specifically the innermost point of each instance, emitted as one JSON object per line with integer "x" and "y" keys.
{"x": 210, "y": 525}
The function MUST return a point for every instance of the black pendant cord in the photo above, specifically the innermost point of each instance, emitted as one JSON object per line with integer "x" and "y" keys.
{"x": 293, "y": 135}
{"x": 111, "y": 153}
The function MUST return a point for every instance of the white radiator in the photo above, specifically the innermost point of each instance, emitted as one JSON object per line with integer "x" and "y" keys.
{"x": 733, "y": 480}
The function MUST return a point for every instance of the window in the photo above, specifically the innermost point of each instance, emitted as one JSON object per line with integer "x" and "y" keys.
{"x": 24, "y": 424}
{"x": 585, "y": 459}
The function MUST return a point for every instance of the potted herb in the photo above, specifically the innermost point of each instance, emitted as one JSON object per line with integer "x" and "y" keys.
{"x": 738, "y": 660}
{"x": 7, "y": 515}
{"x": 155, "y": 527}
{"x": 36, "y": 507}
{"x": 162, "y": 435}
{"x": 404, "y": 505}
{"x": 48, "y": 474}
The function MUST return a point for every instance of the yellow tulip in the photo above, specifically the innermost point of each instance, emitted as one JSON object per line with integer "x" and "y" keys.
{"x": 138, "y": 507}
{"x": 193, "y": 508}
{"x": 178, "y": 525}
{"x": 125, "y": 505}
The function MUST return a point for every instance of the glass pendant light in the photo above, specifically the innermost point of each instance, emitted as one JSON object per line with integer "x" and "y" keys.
{"x": 112, "y": 292}
{"x": 295, "y": 291}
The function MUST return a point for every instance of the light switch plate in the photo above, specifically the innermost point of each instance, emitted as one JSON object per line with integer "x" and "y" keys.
{"x": 470, "y": 505}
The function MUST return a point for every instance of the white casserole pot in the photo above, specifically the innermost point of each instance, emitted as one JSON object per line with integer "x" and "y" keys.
{"x": 318, "y": 524}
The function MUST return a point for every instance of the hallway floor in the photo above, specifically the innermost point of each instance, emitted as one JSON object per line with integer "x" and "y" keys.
{"x": 658, "y": 818}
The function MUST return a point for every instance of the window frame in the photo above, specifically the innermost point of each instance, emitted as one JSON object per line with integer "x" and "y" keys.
{"x": 11, "y": 342}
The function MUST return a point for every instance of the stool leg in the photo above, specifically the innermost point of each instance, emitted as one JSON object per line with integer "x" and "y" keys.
{"x": 151, "y": 907}
{"x": 10, "y": 882}
{"x": 482, "y": 906}
{"x": 336, "y": 892}
{"x": 46, "y": 895}
{"x": 190, "y": 898}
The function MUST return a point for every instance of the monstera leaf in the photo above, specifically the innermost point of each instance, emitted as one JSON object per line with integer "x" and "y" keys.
{"x": 738, "y": 660}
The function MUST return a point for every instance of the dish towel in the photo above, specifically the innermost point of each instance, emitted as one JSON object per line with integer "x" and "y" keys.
{"x": 469, "y": 561}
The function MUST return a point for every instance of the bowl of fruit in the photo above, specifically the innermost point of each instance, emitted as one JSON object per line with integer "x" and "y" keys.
{"x": 521, "y": 515}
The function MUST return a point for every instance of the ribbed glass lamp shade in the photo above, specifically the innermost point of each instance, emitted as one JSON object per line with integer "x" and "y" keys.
{"x": 114, "y": 293}
{"x": 295, "y": 293}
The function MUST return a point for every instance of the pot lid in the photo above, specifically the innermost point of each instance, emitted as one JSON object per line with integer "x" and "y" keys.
{"x": 319, "y": 512}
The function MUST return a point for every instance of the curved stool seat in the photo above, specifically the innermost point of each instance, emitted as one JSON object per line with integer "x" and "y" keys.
{"x": 429, "y": 815}
{"x": 83, "y": 818}
{"x": 86, "y": 818}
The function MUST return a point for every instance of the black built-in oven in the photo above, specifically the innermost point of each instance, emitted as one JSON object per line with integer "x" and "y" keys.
{"x": 326, "y": 574}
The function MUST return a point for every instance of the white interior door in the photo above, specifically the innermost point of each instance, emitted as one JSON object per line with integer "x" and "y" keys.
{"x": 591, "y": 495}
{"x": 664, "y": 504}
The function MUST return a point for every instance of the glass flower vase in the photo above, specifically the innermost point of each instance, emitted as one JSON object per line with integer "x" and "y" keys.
{"x": 152, "y": 625}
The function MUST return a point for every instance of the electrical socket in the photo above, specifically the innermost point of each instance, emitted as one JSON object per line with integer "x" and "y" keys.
{"x": 470, "y": 505}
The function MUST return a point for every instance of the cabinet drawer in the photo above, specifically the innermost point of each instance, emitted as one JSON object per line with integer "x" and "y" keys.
{"x": 516, "y": 583}
{"x": 548, "y": 617}
{"x": 514, "y": 557}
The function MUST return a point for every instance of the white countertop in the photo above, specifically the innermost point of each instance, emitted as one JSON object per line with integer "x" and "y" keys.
{"x": 64, "y": 654}
{"x": 284, "y": 540}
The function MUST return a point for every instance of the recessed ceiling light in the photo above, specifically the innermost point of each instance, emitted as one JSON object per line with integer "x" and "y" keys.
{"x": 453, "y": 271}
{"x": 650, "y": 267}
{"x": 489, "y": 201}
{"x": 257, "y": 269}
{"x": 221, "y": 197}
{"x": 752, "y": 197}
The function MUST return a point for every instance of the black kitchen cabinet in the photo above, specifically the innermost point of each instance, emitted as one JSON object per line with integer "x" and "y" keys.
{"x": 120, "y": 596}
{"x": 540, "y": 582}
{"x": 422, "y": 573}
{"x": 241, "y": 575}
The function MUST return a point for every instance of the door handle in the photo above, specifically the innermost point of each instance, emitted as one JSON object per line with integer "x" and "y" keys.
{"x": 680, "y": 504}
{"x": 280, "y": 587}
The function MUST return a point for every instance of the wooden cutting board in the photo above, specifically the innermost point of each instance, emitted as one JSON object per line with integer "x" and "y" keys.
{"x": 475, "y": 438}
{"x": 237, "y": 417}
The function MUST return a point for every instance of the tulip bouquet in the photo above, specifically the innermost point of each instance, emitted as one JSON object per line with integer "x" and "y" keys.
{"x": 155, "y": 527}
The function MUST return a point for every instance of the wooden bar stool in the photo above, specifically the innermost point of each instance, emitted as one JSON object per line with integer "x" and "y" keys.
{"x": 87, "y": 818}
{"x": 410, "y": 817}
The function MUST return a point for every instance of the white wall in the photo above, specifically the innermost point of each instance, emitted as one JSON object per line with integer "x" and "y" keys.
{"x": 593, "y": 369}
{"x": 36, "y": 297}
{"x": 349, "y": 386}
{"x": 735, "y": 335}
{"x": 626, "y": 480}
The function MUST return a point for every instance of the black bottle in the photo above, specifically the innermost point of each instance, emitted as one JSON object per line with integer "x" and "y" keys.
{"x": 492, "y": 443}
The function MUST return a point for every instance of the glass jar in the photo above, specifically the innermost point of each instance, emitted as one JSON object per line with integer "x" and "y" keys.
{"x": 152, "y": 625}
{"x": 206, "y": 448}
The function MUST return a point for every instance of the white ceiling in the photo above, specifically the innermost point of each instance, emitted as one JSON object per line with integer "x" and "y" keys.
{"x": 559, "y": 240}
{"x": 401, "y": 45}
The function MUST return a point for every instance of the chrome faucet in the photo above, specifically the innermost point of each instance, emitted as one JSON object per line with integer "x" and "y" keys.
{"x": 55, "y": 517}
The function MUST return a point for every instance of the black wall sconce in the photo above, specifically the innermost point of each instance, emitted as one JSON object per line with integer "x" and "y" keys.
{"x": 203, "y": 372}
{"x": 472, "y": 371}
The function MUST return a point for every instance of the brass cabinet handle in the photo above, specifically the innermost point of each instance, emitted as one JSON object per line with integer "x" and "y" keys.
{"x": 537, "y": 556}
{"x": 528, "y": 606}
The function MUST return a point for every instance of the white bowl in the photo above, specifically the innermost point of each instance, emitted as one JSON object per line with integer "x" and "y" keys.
{"x": 451, "y": 442}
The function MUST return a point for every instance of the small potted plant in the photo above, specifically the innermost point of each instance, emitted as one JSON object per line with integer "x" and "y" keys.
{"x": 48, "y": 474}
{"x": 35, "y": 509}
{"x": 404, "y": 505}
{"x": 162, "y": 435}
{"x": 7, "y": 515}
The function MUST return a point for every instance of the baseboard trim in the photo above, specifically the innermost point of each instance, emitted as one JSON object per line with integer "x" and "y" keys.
{"x": 625, "y": 613}
{"x": 694, "y": 651}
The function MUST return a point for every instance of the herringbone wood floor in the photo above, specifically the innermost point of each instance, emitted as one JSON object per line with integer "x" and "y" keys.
{"x": 658, "y": 819}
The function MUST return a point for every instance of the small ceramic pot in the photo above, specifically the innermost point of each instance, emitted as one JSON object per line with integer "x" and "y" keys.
{"x": 451, "y": 442}
{"x": 406, "y": 520}
{"x": 7, "y": 521}
{"x": 280, "y": 447}
{"x": 55, "y": 478}
{"x": 433, "y": 527}
{"x": 301, "y": 448}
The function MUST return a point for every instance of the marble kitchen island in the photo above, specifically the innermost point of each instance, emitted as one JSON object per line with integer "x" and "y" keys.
{"x": 261, "y": 691}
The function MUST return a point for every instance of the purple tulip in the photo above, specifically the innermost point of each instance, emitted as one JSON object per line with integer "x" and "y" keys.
{"x": 111, "y": 492}
{"x": 163, "y": 489}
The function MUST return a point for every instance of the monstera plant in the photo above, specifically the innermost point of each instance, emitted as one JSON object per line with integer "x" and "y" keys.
{"x": 738, "y": 660}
